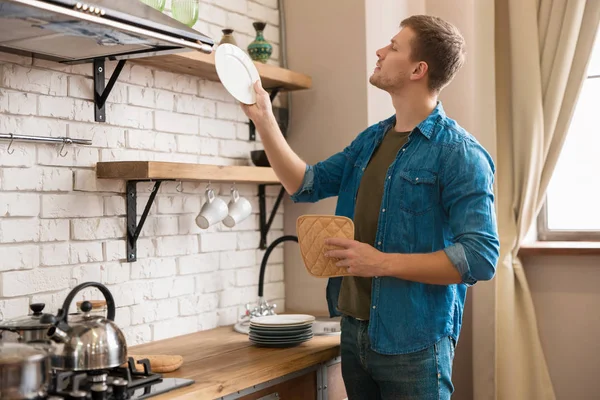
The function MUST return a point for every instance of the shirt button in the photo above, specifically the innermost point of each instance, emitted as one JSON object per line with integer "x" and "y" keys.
{"x": 383, "y": 210}
{"x": 416, "y": 179}
{"x": 363, "y": 168}
{"x": 390, "y": 177}
{"x": 379, "y": 243}
{"x": 374, "y": 307}
{"x": 403, "y": 149}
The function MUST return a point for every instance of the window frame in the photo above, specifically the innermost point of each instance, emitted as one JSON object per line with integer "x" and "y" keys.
{"x": 545, "y": 234}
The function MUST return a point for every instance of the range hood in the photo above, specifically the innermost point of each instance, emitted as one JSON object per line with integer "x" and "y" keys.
{"x": 73, "y": 32}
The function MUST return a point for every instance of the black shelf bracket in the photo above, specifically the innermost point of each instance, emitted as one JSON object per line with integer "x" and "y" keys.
{"x": 101, "y": 91}
{"x": 133, "y": 227}
{"x": 272, "y": 95}
{"x": 262, "y": 204}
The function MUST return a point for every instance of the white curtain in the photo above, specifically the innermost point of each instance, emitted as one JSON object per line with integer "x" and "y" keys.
{"x": 542, "y": 52}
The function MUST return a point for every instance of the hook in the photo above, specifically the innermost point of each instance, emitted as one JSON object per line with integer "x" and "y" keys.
{"x": 179, "y": 188}
{"x": 9, "y": 150}
{"x": 65, "y": 141}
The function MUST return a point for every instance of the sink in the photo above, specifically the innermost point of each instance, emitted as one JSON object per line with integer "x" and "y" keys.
{"x": 242, "y": 327}
{"x": 322, "y": 326}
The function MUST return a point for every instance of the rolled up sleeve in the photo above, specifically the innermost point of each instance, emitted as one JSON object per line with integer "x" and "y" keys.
{"x": 468, "y": 199}
{"x": 306, "y": 188}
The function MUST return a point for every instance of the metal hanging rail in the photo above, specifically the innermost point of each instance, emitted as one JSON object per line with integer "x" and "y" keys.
{"x": 42, "y": 139}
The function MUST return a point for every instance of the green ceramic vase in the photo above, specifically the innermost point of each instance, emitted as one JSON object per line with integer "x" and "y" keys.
{"x": 260, "y": 50}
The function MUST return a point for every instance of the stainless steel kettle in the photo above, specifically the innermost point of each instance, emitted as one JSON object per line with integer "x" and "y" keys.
{"x": 91, "y": 342}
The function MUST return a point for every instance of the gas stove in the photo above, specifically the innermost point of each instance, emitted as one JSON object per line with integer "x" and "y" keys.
{"x": 120, "y": 383}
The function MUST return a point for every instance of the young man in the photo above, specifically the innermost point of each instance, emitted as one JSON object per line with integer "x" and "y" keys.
{"x": 419, "y": 189}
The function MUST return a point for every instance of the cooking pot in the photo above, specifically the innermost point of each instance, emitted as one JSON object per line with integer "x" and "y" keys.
{"x": 26, "y": 329}
{"x": 24, "y": 371}
{"x": 90, "y": 342}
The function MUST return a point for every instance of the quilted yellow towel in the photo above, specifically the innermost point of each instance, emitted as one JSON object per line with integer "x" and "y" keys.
{"x": 312, "y": 230}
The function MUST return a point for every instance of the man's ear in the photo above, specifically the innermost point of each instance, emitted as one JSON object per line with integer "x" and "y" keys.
{"x": 419, "y": 71}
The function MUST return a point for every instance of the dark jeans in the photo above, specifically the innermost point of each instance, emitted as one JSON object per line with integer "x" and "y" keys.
{"x": 422, "y": 375}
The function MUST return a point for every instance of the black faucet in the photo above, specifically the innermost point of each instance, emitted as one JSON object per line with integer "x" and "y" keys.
{"x": 264, "y": 308}
{"x": 263, "y": 264}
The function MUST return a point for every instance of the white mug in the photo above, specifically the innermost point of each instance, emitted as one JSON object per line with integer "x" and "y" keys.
{"x": 239, "y": 209}
{"x": 213, "y": 210}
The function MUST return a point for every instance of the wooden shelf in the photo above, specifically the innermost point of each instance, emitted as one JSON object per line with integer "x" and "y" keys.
{"x": 203, "y": 65}
{"x": 156, "y": 170}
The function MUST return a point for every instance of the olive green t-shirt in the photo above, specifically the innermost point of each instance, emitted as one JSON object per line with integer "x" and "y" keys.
{"x": 355, "y": 293}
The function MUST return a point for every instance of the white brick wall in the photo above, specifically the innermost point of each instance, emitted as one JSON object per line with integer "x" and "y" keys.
{"x": 60, "y": 226}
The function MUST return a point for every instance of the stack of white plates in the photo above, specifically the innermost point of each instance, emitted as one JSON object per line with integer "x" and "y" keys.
{"x": 281, "y": 330}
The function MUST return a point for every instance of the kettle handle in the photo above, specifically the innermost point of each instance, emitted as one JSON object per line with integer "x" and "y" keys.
{"x": 110, "y": 302}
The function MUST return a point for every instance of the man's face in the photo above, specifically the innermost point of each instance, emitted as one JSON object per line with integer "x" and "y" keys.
{"x": 394, "y": 65}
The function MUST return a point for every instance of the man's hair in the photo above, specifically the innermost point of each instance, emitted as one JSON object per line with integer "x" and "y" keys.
{"x": 440, "y": 45}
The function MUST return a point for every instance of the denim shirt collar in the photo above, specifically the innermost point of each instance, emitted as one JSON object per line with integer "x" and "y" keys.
{"x": 426, "y": 126}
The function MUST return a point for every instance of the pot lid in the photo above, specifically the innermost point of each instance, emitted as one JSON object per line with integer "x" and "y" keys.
{"x": 17, "y": 353}
{"x": 28, "y": 322}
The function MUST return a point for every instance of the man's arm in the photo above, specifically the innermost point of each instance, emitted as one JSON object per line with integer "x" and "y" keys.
{"x": 288, "y": 166}
{"x": 434, "y": 268}
{"x": 467, "y": 184}
{"x": 305, "y": 183}
{"x": 364, "y": 260}
{"x": 467, "y": 197}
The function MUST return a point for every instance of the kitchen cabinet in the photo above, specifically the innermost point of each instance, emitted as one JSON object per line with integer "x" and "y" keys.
{"x": 323, "y": 382}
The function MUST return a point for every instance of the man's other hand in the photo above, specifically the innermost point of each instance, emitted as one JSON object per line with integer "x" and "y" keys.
{"x": 361, "y": 259}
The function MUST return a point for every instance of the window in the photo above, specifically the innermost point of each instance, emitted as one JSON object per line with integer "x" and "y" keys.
{"x": 572, "y": 208}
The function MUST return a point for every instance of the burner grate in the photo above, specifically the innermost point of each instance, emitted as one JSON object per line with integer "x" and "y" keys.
{"x": 119, "y": 383}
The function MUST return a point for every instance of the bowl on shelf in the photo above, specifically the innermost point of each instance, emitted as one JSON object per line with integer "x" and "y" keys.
{"x": 259, "y": 158}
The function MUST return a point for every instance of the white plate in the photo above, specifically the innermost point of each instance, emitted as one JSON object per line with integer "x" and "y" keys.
{"x": 284, "y": 338}
{"x": 281, "y": 326}
{"x": 277, "y": 330}
{"x": 237, "y": 72}
{"x": 282, "y": 320}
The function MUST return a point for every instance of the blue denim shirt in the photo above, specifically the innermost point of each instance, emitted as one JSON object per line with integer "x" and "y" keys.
{"x": 438, "y": 195}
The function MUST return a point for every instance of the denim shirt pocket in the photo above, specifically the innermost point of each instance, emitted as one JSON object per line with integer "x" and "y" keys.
{"x": 418, "y": 190}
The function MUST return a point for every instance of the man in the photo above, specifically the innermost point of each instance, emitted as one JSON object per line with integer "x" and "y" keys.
{"x": 419, "y": 189}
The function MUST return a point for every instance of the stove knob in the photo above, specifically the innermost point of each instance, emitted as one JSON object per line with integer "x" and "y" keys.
{"x": 99, "y": 391}
{"x": 76, "y": 395}
{"x": 120, "y": 388}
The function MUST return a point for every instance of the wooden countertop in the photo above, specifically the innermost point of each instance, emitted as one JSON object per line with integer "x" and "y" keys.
{"x": 222, "y": 361}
